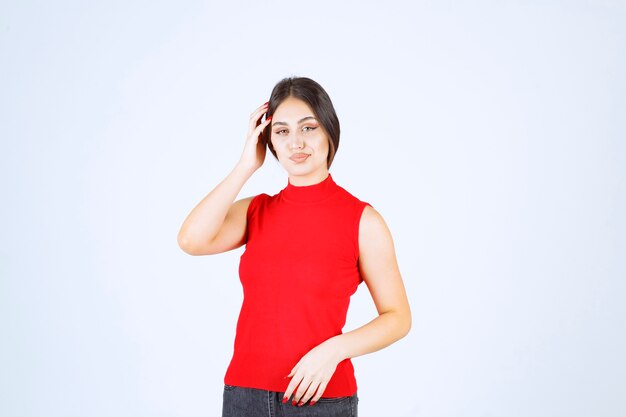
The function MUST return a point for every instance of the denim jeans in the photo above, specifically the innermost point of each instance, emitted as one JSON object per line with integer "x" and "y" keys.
{"x": 252, "y": 402}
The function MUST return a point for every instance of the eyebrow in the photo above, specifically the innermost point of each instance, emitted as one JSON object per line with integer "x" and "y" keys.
{"x": 299, "y": 121}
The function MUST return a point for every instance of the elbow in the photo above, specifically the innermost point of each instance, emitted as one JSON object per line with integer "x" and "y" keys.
{"x": 409, "y": 324}
{"x": 186, "y": 245}
{"x": 195, "y": 247}
{"x": 183, "y": 243}
{"x": 404, "y": 324}
{"x": 399, "y": 323}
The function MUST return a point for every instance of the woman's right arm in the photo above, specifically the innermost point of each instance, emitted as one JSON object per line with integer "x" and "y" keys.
{"x": 218, "y": 223}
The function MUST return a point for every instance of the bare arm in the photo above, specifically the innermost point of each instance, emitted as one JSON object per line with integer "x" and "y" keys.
{"x": 379, "y": 269}
{"x": 218, "y": 223}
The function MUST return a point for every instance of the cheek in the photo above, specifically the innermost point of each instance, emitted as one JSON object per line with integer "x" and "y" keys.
{"x": 277, "y": 144}
{"x": 274, "y": 142}
{"x": 324, "y": 146}
{"x": 277, "y": 139}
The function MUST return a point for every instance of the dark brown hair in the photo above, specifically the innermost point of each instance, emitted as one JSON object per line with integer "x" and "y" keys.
{"x": 318, "y": 100}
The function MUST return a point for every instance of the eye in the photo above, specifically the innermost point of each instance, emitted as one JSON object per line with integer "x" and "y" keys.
{"x": 281, "y": 131}
{"x": 309, "y": 128}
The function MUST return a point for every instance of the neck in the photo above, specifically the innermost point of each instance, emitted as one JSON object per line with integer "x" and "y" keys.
{"x": 313, "y": 193}
{"x": 310, "y": 179}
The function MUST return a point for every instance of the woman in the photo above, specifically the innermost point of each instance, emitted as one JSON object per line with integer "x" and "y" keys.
{"x": 307, "y": 250}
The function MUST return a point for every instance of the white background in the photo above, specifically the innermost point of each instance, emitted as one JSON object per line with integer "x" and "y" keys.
{"x": 489, "y": 134}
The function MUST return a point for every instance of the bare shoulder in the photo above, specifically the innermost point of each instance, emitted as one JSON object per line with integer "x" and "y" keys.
{"x": 237, "y": 215}
{"x": 372, "y": 222}
{"x": 241, "y": 206}
{"x": 374, "y": 235}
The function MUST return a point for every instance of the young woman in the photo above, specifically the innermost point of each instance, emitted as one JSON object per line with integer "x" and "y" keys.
{"x": 307, "y": 250}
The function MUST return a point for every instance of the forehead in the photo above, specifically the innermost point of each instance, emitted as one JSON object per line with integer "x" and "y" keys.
{"x": 291, "y": 110}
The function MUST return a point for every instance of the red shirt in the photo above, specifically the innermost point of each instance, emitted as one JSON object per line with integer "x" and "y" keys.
{"x": 298, "y": 271}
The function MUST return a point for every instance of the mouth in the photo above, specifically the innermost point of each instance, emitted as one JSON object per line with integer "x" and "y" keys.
{"x": 299, "y": 157}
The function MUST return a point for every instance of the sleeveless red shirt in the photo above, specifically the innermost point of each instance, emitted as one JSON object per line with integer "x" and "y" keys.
{"x": 298, "y": 271}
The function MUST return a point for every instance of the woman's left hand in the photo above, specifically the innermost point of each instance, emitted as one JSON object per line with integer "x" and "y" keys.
{"x": 312, "y": 373}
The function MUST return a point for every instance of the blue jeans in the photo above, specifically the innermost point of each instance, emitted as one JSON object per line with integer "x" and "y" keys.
{"x": 252, "y": 402}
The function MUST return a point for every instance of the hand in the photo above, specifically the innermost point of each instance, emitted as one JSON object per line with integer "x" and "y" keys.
{"x": 312, "y": 373}
{"x": 254, "y": 150}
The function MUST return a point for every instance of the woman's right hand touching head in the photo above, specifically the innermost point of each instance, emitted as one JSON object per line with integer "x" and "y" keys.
{"x": 254, "y": 150}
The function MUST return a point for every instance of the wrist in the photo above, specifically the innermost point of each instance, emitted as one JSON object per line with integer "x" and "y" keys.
{"x": 241, "y": 168}
{"x": 337, "y": 346}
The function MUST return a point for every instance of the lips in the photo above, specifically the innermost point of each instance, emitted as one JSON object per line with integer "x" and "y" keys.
{"x": 299, "y": 157}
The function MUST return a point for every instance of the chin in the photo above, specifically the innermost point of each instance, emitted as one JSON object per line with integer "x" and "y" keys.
{"x": 298, "y": 172}
{"x": 301, "y": 170}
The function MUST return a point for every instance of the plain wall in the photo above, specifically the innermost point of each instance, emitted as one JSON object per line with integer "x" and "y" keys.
{"x": 489, "y": 134}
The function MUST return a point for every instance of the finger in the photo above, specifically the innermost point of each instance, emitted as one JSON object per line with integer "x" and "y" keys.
{"x": 291, "y": 388}
{"x": 254, "y": 123}
{"x": 255, "y": 135}
{"x": 255, "y": 116}
{"x": 310, "y": 392}
{"x": 302, "y": 388}
{"x": 259, "y": 110}
{"x": 318, "y": 393}
{"x": 293, "y": 384}
{"x": 256, "y": 130}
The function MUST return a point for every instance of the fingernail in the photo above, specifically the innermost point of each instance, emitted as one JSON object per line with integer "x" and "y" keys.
{"x": 294, "y": 402}
{"x": 270, "y": 118}
{"x": 285, "y": 399}
{"x": 300, "y": 404}
{"x": 312, "y": 402}
{"x": 266, "y": 103}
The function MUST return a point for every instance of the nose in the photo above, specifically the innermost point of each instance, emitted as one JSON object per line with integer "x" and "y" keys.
{"x": 296, "y": 142}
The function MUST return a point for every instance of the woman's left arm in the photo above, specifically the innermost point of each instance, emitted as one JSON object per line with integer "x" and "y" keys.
{"x": 379, "y": 269}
